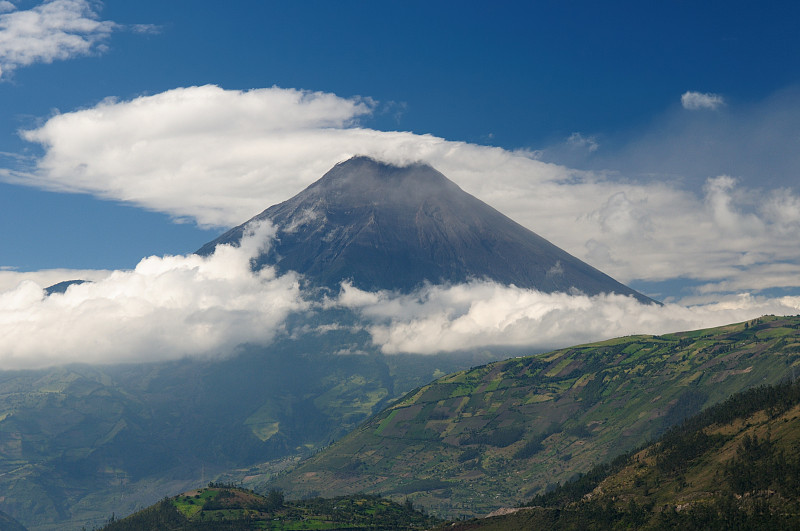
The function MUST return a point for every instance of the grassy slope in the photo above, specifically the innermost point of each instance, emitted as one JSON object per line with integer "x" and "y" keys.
{"x": 232, "y": 508}
{"x": 495, "y": 435}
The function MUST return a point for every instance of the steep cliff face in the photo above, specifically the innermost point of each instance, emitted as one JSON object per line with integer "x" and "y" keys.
{"x": 387, "y": 227}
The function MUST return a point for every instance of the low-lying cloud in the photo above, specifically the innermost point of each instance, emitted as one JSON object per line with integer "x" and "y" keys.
{"x": 166, "y": 308}
{"x": 190, "y": 306}
{"x": 485, "y": 314}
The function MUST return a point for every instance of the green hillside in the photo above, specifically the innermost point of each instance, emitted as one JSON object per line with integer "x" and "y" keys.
{"x": 495, "y": 435}
{"x": 229, "y": 508}
{"x": 735, "y": 466}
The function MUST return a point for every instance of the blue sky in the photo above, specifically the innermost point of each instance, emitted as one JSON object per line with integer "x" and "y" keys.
{"x": 659, "y": 141}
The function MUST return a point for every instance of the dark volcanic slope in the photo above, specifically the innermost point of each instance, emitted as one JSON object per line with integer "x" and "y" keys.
{"x": 388, "y": 227}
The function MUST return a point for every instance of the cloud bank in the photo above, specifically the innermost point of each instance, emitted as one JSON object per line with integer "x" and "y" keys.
{"x": 485, "y": 314}
{"x": 218, "y": 157}
{"x": 166, "y": 308}
{"x": 178, "y": 306}
{"x": 54, "y": 30}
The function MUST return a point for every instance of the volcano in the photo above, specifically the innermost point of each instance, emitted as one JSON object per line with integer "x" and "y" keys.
{"x": 386, "y": 227}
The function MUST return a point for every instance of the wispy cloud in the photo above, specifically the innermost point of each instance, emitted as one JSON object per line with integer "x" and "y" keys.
{"x": 147, "y": 29}
{"x": 54, "y": 30}
{"x": 755, "y": 142}
{"x": 578, "y": 140}
{"x": 694, "y": 101}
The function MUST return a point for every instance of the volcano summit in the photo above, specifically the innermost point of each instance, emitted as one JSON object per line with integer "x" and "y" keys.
{"x": 382, "y": 226}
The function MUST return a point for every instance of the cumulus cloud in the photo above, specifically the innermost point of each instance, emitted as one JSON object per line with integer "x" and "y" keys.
{"x": 694, "y": 101}
{"x": 54, "y": 30}
{"x": 221, "y": 156}
{"x": 166, "y": 308}
{"x": 205, "y": 153}
{"x": 486, "y": 314}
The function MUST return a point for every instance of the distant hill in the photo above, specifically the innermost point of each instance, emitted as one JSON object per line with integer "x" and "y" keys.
{"x": 382, "y": 226}
{"x": 230, "y": 508}
{"x": 495, "y": 435}
{"x": 734, "y": 466}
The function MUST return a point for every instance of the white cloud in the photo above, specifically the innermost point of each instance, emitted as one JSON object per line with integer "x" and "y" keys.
{"x": 6, "y": 6}
{"x": 166, "y": 308}
{"x": 201, "y": 152}
{"x": 584, "y": 142}
{"x": 147, "y": 29}
{"x": 721, "y": 204}
{"x": 694, "y": 101}
{"x": 221, "y": 156}
{"x": 175, "y": 306}
{"x": 484, "y": 314}
{"x": 54, "y": 30}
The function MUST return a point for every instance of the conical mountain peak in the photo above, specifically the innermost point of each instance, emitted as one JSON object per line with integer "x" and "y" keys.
{"x": 383, "y": 226}
{"x": 364, "y": 179}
